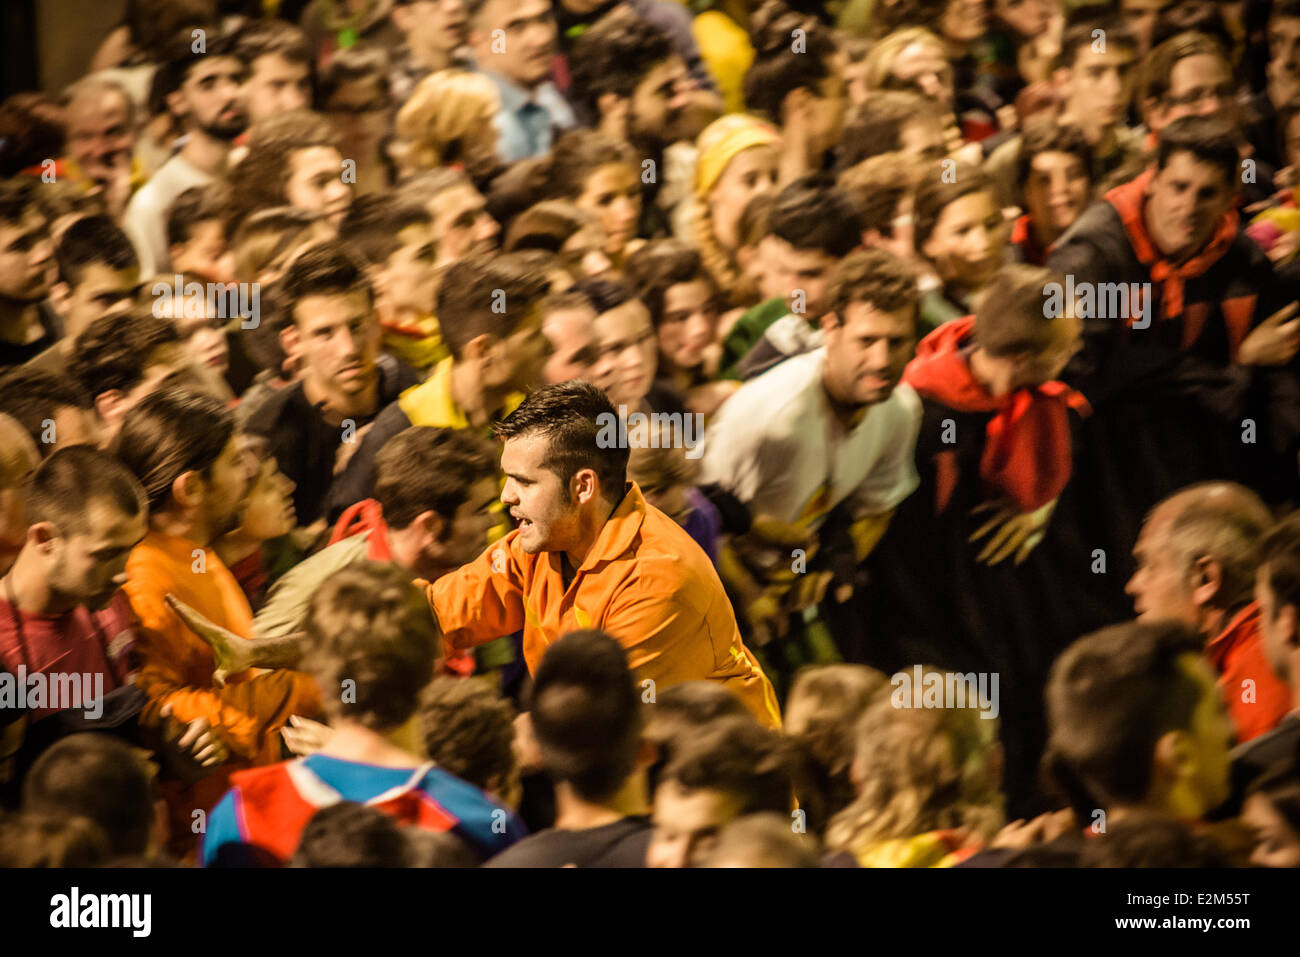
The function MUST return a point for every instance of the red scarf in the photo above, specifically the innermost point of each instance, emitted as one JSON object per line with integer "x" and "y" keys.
{"x": 1022, "y": 235}
{"x": 1129, "y": 201}
{"x": 1027, "y": 444}
{"x": 368, "y": 516}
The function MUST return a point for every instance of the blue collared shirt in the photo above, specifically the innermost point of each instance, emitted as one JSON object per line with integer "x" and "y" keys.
{"x": 527, "y": 122}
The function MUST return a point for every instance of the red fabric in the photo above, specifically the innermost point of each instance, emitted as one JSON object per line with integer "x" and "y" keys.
{"x": 1023, "y": 236}
{"x": 1027, "y": 444}
{"x": 273, "y": 813}
{"x": 365, "y": 516}
{"x": 250, "y": 572}
{"x": 1129, "y": 201}
{"x": 1237, "y": 654}
{"x": 368, "y": 516}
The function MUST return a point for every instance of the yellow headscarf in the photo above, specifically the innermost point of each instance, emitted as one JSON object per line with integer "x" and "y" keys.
{"x": 724, "y": 139}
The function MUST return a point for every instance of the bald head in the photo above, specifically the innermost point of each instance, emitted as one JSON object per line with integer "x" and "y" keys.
{"x": 1196, "y": 554}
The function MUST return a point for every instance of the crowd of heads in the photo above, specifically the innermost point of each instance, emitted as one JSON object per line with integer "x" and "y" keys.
{"x": 403, "y": 262}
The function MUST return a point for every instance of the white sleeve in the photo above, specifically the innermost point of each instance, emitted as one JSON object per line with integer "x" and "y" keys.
{"x": 893, "y": 477}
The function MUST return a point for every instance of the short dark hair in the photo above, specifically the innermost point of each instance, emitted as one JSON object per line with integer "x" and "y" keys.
{"x": 1159, "y": 66}
{"x": 777, "y": 70}
{"x": 1049, "y": 136}
{"x": 1012, "y": 316}
{"x": 602, "y": 293}
{"x": 113, "y": 351}
{"x": 423, "y": 469}
{"x": 486, "y": 296}
{"x": 326, "y": 268}
{"x": 16, "y": 196}
{"x": 1279, "y": 551}
{"x": 373, "y": 222}
{"x": 182, "y": 55}
{"x": 259, "y": 38}
{"x": 198, "y": 204}
{"x": 1209, "y": 140}
{"x": 937, "y": 192}
{"x": 1077, "y": 35}
{"x": 586, "y": 713}
{"x": 1150, "y": 839}
{"x": 258, "y": 182}
{"x": 349, "y": 64}
{"x": 661, "y": 264}
{"x": 169, "y": 433}
{"x": 873, "y": 276}
{"x": 571, "y": 415}
{"x": 614, "y": 55}
{"x": 93, "y": 240}
{"x": 66, "y": 484}
{"x": 348, "y": 834}
{"x": 33, "y": 395}
{"x": 813, "y": 213}
{"x": 469, "y": 730}
{"x": 1111, "y": 696}
{"x": 99, "y": 777}
{"x": 1192, "y": 16}
{"x": 741, "y": 758}
{"x": 368, "y": 624}
{"x": 876, "y": 126}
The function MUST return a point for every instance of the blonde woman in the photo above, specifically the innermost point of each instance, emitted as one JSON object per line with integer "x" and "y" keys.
{"x": 448, "y": 121}
{"x": 738, "y": 158}
{"x": 928, "y": 782}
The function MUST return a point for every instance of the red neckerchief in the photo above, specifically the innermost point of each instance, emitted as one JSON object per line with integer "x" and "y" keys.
{"x": 1242, "y": 625}
{"x": 1129, "y": 201}
{"x": 1022, "y": 235}
{"x": 1027, "y": 444}
{"x": 365, "y": 516}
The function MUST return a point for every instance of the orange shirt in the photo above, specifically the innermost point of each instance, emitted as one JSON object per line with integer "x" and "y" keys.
{"x": 645, "y": 582}
{"x": 176, "y": 665}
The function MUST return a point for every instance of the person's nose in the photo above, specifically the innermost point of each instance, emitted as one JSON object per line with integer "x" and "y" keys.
{"x": 878, "y": 355}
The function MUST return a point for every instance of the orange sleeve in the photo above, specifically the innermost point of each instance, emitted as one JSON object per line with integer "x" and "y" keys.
{"x": 480, "y": 601}
{"x": 248, "y": 712}
{"x": 669, "y": 642}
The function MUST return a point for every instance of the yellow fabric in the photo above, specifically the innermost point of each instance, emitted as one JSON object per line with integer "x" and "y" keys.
{"x": 431, "y": 402}
{"x": 723, "y": 140}
{"x": 419, "y": 345}
{"x": 727, "y": 52}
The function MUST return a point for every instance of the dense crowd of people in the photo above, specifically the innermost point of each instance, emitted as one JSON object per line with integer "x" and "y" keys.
{"x": 625, "y": 433}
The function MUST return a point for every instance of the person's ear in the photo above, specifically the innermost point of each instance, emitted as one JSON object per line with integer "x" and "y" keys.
{"x": 400, "y": 17}
{"x": 481, "y": 349}
{"x": 829, "y": 321}
{"x": 60, "y": 296}
{"x": 290, "y": 340}
{"x": 431, "y": 524}
{"x": 584, "y": 486}
{"x": 177, "y": 104}
{"x": 614, "y": 111}
{"x": 1153, "y": 114}
{"x": 41, "y": 536}
{"x": 108, "y": 403}
{"x": 1173, "y": 757}
{"x": 1207, "y": 580}
{"x": 1060, "y": 79}
{"x": 188, "y": 489}
{"x": 1288, "y": 620}
{"x": 795, "y": 107}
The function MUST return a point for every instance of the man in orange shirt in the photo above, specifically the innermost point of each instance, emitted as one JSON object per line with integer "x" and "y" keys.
{"x": 184, "y": 450}
{"x": 590, "y": 553}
